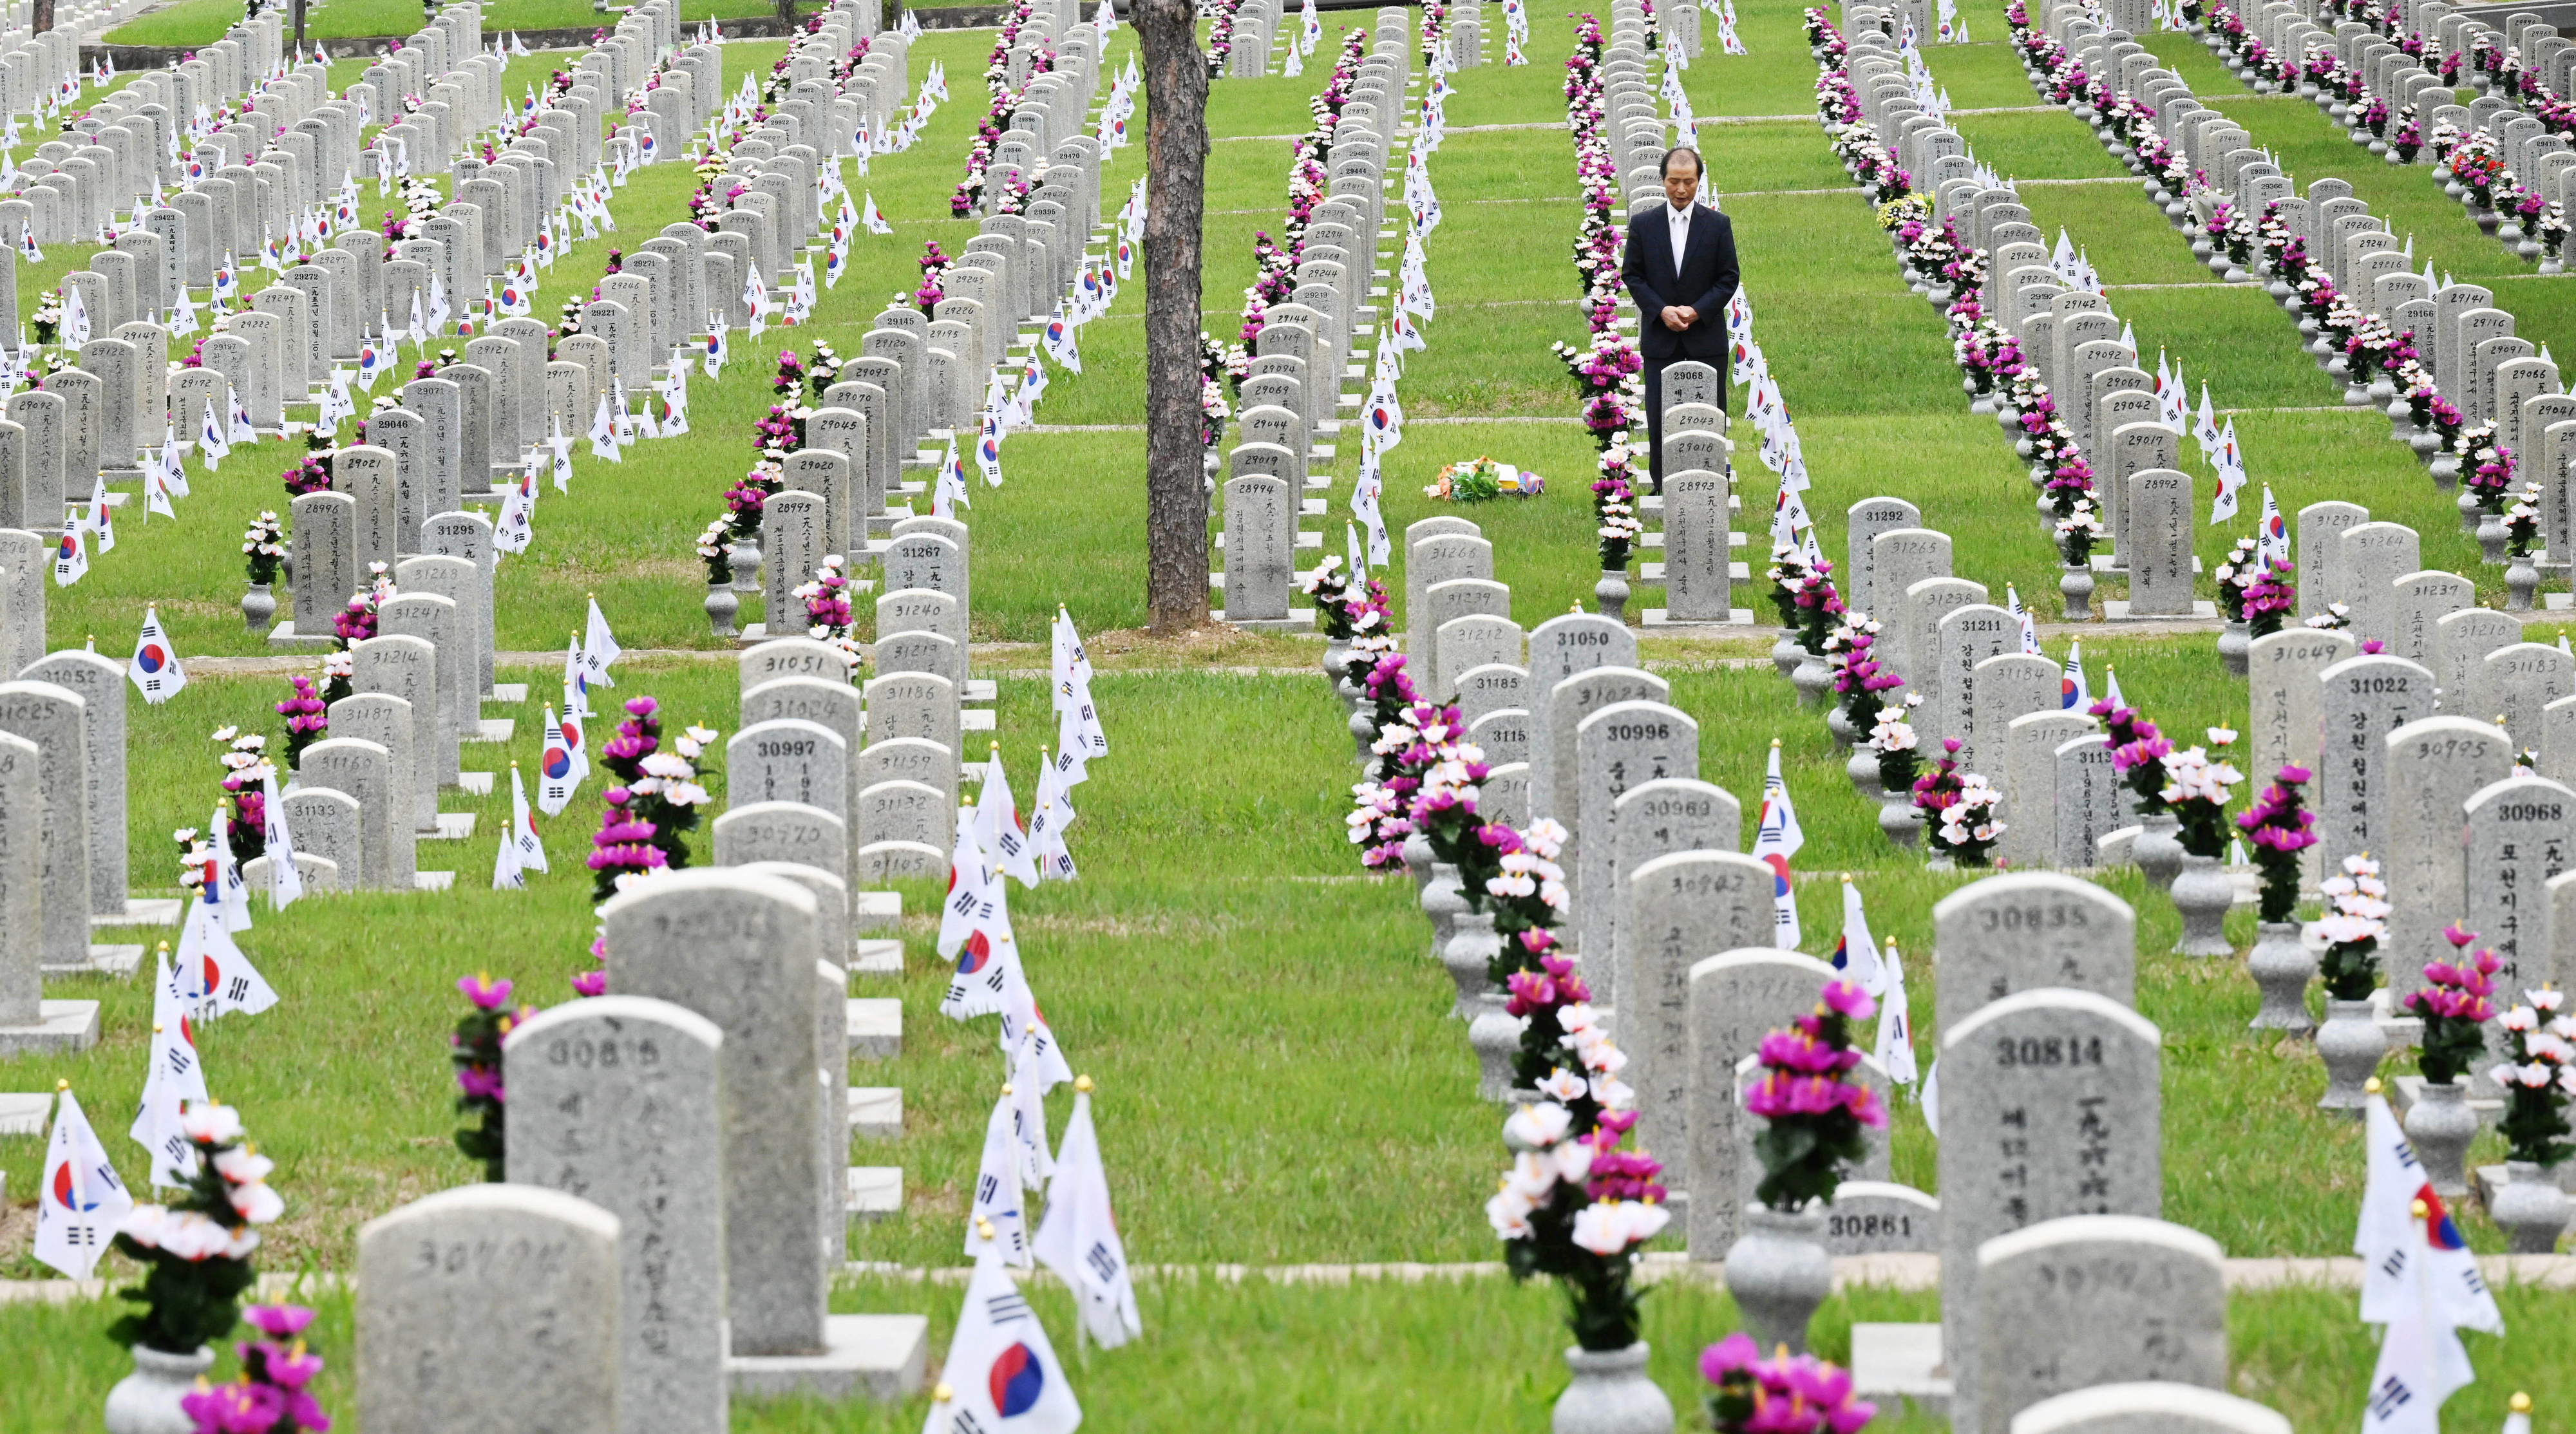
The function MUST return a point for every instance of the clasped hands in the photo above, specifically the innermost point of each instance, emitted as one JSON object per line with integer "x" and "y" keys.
{"x": 1678, "y": 317}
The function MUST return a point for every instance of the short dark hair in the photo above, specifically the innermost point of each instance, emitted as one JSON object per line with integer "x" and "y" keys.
{"x": 1698, "y": 166}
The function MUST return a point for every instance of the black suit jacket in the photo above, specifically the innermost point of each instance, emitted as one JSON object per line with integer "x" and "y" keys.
{"x": 1706, "y": 282}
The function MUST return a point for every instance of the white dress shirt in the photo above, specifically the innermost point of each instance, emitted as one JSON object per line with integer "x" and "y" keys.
{"x": 1679, "y": 222}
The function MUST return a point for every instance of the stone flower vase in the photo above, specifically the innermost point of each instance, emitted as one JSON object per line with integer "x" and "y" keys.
{"x": 2281, "y": 966}
{"x": 2235, "y": 647}
{"x": 147, "y": 1401}
{"x": 2158, "y": 852}
{"x": 1363, "y": 730}
{"x": 1442, "y": 902}
{"x": 2521, "y": 580}
{"x": 2202, "y": 893}
{"x": 1812, "y": 679}
{"x": 2440, "y": 1126}
{"x": 1838, "y": 723}
{"x": 1611, "y": 1395}
{"x": 1863, "y": 771}
{"x": 1416, "y": 854}
{"x": 1610, "y": 595}
{"x": 258, "y": 608}
{"x": 746, "y": 565}
{"x": 1473, "y": 945}
{"x": 1897, "y": 818}
{"x": 2351, "y": 1044}
{"x": 2530, "y": 1209}
{"x": 2075, "y": 585}
{"x": 2491, "y": 537}
{"x": 1787, "y": 652}
{"x": 1778, "y": 1273}
{"x": 1495, "y": 1036}
{"x": 722, "y": 603}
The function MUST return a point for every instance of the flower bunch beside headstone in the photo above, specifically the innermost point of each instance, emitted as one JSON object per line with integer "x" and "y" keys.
{"x": 1785, "y": 1394}
{"x": 271, "y": 1396}
{"x": 2197, "y": 789}
{"x": 475, "y": 1050}
{"x": 1813, "y": 1118}
{"x": 2138, "y": 753}
{"x": 196, "y": 1250}
{"x": 2454, "y": 1006}
{"x": 2538, "y": 1075}
{"x": 1958, "y": 808}
{"x": 2278, "y": 825}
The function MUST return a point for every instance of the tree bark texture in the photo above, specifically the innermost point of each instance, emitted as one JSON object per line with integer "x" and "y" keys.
{"x": 1176, "y": 151}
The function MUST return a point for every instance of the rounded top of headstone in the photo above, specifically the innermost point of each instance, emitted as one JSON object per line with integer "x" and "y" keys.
{"x": 698, "y": 883}
{"x": 2147, "y": 1406}
{"x": 2023, "y": 885}
{"x": 2053, "y": 998}
{"x": 644, "y": 1010}
{"x": 1748, "y": 957}
{"x": 488, "y": 1201}
{"x": 2123, "y": 1229}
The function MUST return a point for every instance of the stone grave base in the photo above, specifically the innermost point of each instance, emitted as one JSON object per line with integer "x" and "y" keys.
{"x": 1654, "y": 572}
{"x": 2486, "y": 1180}
{"x": 1890, "y": 1362}
{"x": 492, "y": 729}
{"x": 2404, "y": 1091}
{"x": 976, "y": 719}
{"x": 2558, "y": 602}
{"x": 452, "y": 826}
{"x": 61, "y": 1026}
{"x": 878, "y": 1357}
{"x": 432, "y": 880}
{"x": 2401, "y": 1031}
{"x": 980, "y": 689}
{"x": 876, "y": 956}
{"x": 1661, "y": 618}
{"x": 285, "y": 635}
{"x": 875, "y": 1025}
{"x": 143, "y": 911}
{"x": 1298, "y": 619}
{"x": 104, "y": 960}
{"x": 477, "y": 783}
{"x": 874, "y": 1192}
{"x": 2117, "y": 610}
{"x": 2114, "y": 563}
{"x": 870, "y": 910}
{"x": 876, "y": 1112}
{"x": 24, "y": 1114}
{"x": 508, "y": 692}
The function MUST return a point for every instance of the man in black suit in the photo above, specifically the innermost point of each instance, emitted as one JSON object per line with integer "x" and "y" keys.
{"x": 1680, "y": 268}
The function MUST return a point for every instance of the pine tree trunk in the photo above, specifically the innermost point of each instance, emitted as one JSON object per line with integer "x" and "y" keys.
{"x": 1176, "y": 150}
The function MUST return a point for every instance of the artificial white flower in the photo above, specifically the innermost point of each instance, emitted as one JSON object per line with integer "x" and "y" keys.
{"x": 1562, "y": 1085}
{"x": 1538, "y": 1126}
{"x": 208, "y": 1123}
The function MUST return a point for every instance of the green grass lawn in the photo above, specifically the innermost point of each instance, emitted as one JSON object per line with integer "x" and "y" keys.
{"x": 1279, "y": 1079}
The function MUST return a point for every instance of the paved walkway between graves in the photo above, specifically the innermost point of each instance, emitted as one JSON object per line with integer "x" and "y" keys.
{"x": 1901, "y": 1272}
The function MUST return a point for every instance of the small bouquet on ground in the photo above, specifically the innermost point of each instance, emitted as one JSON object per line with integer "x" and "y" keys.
{"x": 2279, "y": 826}
{"x": 1812, "y": 1117}
{"x": 2196, "y": 791}
{"x": 2538, "y": 1075}
{"x": 263, "y": 548}
{"x": 2079, "y": 533}
{"x": 1858, "y": 679}
{"x": 196, "y": 1250}
{"x": 246, "y": 770}
{"x": 47, "y": 320}
{"x": 1785, "y": 1394}
{"x": 2232, "y": 574}
{"x": 827, "y": 601}
{"x": 2454, "y": 1006}
{"x": 2357, "y": 917}
{"x": 270, "y": 1396}
{"x": 1481, "y": 479}
{"x": 2138, "y": 753}
{"x": 1893, "y": 739}
{"x": 655, "y": 804}
{"x": 2269, "y": 598}
{"x": 475, "y": 1049}
{"x": 1959, "y": 808}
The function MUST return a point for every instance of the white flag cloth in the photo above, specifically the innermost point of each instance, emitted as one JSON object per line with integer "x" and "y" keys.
{"x": 875, "y": 222}
{"x": 211, "y": 965}
{"x": 1078, "y": 1239}
{"x": 1775, "y": 839}
{"x": 975, "y": 928}
{"x": 2204, "y": 429}
{"x": 576, "y": 686}
{"x": 224, "y": 875}
{"x": 1895, "y": 1046}
{"x": 523, "y": 832}
{"x": 2228, "y": 466}
{"x": 997, "y": 1204}
{"x": 599, "y": 650}
{"x": 155, "y": 666}
{"x": 171, "y": 1078}
{"x": 102, "y": 518}
{"x": 997, "y": 823}
{"x": 2406, "y": 1244}
{"x": 81, "y": 1201}
{"x": 285, "y": 878}
{"x": 2421, "y": 1363}
{"x": 1048, "y": 819}
{"x": 1001, "y": 1373}
{"x": 517, "y": 526}
{"x": 1079, "y": 738}
{"x": 603, "y": 433}
{"x": 2272, "y": 539}
{"x": 2073, "y": 694}
{"x": 561, "y": 769}
{"x": 1856, "y": 954}
{"x": 1034, "y": 1064}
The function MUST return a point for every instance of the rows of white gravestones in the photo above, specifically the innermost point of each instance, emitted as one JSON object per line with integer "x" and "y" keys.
{"x": 1294, "y": 396}
{"x": 919, "y": 381}
{"x": 2051, "y": 1112}
{"x": 1695, "y": 506}
{"x": 2498, "y": 392}
{"x": 2495, "y": 125}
